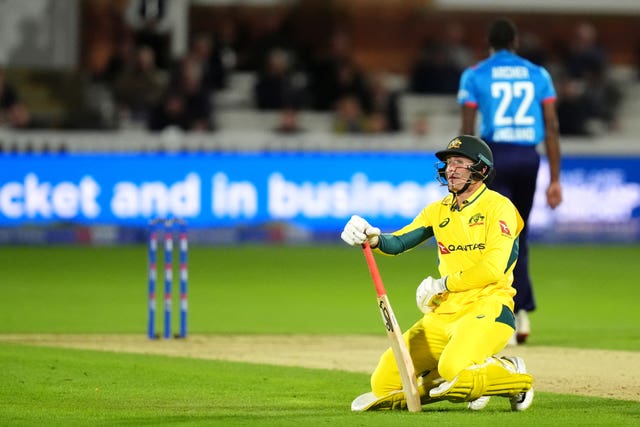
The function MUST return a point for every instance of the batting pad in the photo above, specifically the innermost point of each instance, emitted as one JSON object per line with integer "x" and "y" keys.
{"x": 493, "y": 378}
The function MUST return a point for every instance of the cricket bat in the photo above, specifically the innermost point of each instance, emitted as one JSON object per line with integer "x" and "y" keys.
{"x": 394, "y": 333}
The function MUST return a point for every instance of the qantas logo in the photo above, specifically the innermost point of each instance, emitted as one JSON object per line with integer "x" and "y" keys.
{"x": 504, "y": 228}
{"x": 447, "y": 249}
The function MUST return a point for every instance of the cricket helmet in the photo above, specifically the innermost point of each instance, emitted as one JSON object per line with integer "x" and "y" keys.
{"x": 473, "y": 148}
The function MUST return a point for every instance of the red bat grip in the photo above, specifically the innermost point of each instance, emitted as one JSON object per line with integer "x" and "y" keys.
{"x": 373, "y": 269}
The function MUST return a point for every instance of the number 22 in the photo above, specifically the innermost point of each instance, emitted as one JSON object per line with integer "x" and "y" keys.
{"x": 508, "y": 92}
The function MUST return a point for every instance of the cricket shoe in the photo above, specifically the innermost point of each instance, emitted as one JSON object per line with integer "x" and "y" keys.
{"x": 523, "y": 326}
{"x": 479, "y": 403}
{"x": 520, "y": 401}
{"x": 369, "y": 402}
{"x": 363, "y": 402}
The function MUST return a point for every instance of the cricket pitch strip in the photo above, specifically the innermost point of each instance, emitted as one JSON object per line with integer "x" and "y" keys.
{"x": 585, "y": 372}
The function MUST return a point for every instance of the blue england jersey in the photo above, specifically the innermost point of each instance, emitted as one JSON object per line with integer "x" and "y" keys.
{"x": 509, "y": 92}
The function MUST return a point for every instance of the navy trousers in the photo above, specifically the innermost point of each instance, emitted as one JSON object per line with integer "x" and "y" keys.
{"x": 516, "y": 174}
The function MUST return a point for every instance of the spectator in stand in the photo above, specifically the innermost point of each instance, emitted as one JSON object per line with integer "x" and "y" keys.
{"x": 275, "y": 86}
{"x": 584, "y": 54}
{"x": 323, "y": 71}
{"x": 187, "y": 104}
{"x": 199, "y": 55}
{"x": 122, "y": 59}
{"x": 275, "y": 32}
{"x": 349, "y": 116}
{"x": 140, "y": 87}
{"x": 377, "y": 123}
{"x": 531, "y": 48}
{"x": 432, "y": 73}
{"x": 351, "y": 81}
{"x": 225, "y": 55}
{"x": 288, "y": 123}
{"x": 170, "y": 113}
{"x": 420, "y": 124}
{"x": 572, "y": 111}
{"x": 459, "y": 52}
{"x": 603, "y": 98}
{"x": 439, "y": 66}
{"x": 13, "y": 113}
{"x": 587, "y": 65}
{"x": 204, "y": 53}
{"x": 384, "y": 103}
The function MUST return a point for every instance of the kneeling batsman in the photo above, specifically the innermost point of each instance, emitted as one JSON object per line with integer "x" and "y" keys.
{"x": 468, "y": 307}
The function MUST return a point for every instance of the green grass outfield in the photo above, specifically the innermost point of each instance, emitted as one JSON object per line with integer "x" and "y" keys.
{"x": 587, "y": 296}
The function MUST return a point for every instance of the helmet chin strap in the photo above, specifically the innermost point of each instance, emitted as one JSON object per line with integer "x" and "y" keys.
{"x": 464, "y": 188}
{"x": 444, "y": 181}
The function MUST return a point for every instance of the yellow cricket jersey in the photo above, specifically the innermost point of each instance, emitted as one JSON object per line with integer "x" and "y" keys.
{"x": 477, "y": 246}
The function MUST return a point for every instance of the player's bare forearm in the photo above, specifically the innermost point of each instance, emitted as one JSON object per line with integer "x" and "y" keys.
{"x": 552, "y": 141}
{"x": 467, "y": 126}
{"x": 552, "y": 148}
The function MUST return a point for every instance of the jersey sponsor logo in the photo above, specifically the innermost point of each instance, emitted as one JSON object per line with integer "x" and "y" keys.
{"x": 504, "y": 228}
{"x": 447, "y": 249}
{"x": 477, "y": 219}
{"x": 443, "y": 248}
{"x": 444, "y": 223}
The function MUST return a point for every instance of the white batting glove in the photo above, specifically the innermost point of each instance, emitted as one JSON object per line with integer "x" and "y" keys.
{"x": 428, "y": 292}
{"x": 358, "y": 230}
